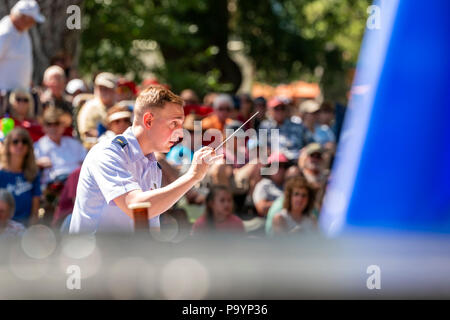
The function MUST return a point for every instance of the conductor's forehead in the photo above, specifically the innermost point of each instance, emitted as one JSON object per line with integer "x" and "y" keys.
{"x": 172, "y": 111}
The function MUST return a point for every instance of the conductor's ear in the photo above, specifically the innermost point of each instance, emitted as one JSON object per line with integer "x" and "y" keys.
{"x": 147, "y": 120}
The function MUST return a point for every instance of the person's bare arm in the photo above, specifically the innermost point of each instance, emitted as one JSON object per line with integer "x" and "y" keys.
{"x": 164, "y": 198}
{"x": 278, "y": 224}
{"x": 34, "y": 215}
{"x": 262, "y": 207}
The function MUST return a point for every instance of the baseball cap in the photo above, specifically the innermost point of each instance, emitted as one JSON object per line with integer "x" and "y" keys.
{"x": 75, "y": 85}
{"x": 106, "y": 79}
{"x": 309, "y": 106}
{"x": 277, "y": 157}
{"x": 275, "y": 102}
{"x": 29, "y": 8}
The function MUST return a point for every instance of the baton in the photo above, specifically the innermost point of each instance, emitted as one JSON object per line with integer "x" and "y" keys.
{"x": 236, "y": 130}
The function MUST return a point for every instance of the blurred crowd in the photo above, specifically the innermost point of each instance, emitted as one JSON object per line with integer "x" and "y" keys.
{"x": 47, "y": 130}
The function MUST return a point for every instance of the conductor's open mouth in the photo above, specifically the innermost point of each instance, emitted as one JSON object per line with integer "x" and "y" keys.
{"x": 174, "y": 143}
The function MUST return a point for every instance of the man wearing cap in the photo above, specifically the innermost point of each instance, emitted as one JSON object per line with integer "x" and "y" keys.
{"x": 312, "y": 164}
{"x": 314, "y": 131}
{"x": 123, "y": 171}
{"x": 291, "y": 134}
{"x": 94, "y": 112}
{"x": 75, "y": 87}
{"x": 16, "y": 58}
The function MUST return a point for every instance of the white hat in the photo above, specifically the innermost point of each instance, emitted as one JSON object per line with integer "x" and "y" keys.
{"x": 309, "y": 106}
{"x": 119, "y": 115}
{"x": 106, "y": 79}
{"x": 74, "y": 85}
{"x": 29, "y": 8}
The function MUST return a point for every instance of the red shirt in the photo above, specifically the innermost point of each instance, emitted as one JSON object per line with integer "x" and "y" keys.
{"x": 197, "y": 109}
{"x": 32, "y": 126}
{"x": 232, "y": 223}
{"x": 67, "y": 198}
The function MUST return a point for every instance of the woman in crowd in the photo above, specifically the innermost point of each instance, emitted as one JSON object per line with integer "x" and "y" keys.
{"x": 219, "y": 213}
{"x": 297, "y": 213}
{"x": 19, "y": 175}
{"x": 118, "y": 120}
{"x": 8, "y": 227}
{"x": 22, "y": 112}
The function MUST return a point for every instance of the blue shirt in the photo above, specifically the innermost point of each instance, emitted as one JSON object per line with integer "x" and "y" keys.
{"x": 23, "y": 192}
{"x": 179, "y": 155}
{"x": 291, "y": 136}
{"x": 322, "y": 134}
{"x": 110, "y": 170}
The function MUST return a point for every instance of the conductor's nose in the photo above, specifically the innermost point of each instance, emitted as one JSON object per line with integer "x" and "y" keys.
{"x": 177, "y": 134}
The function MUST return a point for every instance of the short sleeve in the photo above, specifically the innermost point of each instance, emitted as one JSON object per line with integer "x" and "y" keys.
{"x": 110, "y": 172}
{"x": 37, "y": 150}
{"x": 260, "y": 192}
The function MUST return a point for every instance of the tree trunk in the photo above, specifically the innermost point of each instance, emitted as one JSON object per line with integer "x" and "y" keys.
{"x": 52, "y": 40}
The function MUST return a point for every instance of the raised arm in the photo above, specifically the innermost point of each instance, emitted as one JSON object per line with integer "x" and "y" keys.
{"x": 164, "y": 198}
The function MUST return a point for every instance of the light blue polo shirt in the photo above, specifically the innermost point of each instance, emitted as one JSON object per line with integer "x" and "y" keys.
{"x": 112, "y": 168}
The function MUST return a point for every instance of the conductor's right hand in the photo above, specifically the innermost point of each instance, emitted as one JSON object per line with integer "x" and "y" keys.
{"x": 201, "y": 161}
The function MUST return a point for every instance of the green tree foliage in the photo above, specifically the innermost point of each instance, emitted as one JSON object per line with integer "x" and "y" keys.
{"x": 315, "y": 40}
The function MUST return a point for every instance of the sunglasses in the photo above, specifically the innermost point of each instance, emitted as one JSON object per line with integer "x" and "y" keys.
{"x": 224, "y": 109}
{"x": 316, "y": 155}
{"x": 51, "y": 124}
{"x": 25, "y": 100}
{"x": 17, "y": 141}
{"x": 125, "y": 120}
{"x": 280, "y": 108}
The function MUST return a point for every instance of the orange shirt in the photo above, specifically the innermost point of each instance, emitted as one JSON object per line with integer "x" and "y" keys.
{"x": 212, "y": 122}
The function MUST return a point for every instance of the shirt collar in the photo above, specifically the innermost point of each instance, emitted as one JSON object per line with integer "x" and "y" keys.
{"x": 134, "y": 146}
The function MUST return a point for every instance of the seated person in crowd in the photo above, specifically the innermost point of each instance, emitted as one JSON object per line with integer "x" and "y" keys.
{"x": 245, "y": 110}
{"x": 315, "y": 132}
{"x": 218, "y": 215}
{"x": 312, "y": 165}
{"x": 56, "y": 154}
{"x": 93, "y": 113}
{"x": 260, "y": 104}
{"x": 297, "y": 213}
{"x": 75, "y": 87}
{"x": 223, "y": 105}
{"x": 268, "y": 189}
{"x": 8, "y": 227}
{"x": 22, "y": 112}
{"x": 117, "y": 121}
{"x": 192, "y": 104}
{"x": 126, "y": 90}
{"x": 67, "y": 199}
{"x": 19, "y": 174}
{"x": 54, "y": 95}
{"x": 292, "y": 135}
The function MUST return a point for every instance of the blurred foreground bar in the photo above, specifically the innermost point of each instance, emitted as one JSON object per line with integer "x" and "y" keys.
{"x": 44, "y": 266}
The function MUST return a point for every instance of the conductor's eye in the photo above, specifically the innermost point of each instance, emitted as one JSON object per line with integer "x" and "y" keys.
{"x": 173, "y": 125}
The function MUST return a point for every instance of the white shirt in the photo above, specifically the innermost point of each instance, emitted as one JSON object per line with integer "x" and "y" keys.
{"x": 110, "y": 170}
{"x": 65, "y": 157}
{"x": 16, "y": 57}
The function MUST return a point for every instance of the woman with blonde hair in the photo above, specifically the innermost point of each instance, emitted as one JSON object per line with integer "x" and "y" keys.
{"x": 19, "y": 175}
{"x": 22, "y": 112}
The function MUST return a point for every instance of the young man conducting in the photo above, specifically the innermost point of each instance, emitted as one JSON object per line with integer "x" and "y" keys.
{"x": 124, "y": 171}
